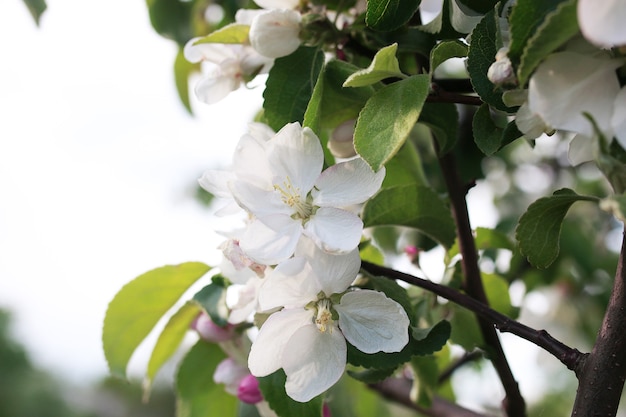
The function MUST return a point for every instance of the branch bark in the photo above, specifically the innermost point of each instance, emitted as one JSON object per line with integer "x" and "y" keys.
{"x": 398, "y": 390}
{"x": 603, "y": 373}
{"x": 514, "y": 403}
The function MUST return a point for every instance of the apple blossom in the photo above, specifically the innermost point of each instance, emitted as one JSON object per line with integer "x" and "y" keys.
{"x": 602, "y": 22}
{"x": 307, "y": 338}
{"x": 228, "y": 66}
{"x": 567, "y": 84}
{"x": 291, "y": 197}
{"x": 275, "y": 33}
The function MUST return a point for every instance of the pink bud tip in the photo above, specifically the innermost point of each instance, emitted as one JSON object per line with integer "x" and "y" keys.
{"x": 249, "y": 391}
{"x": 326, "y": 411}
{"x": 210, "y": 331}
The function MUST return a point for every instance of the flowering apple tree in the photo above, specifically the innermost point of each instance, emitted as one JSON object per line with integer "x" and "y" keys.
{"x": 353, "y": 180}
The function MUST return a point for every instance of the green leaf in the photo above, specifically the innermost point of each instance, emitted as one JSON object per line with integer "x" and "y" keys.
{"x": 557, "y": 28}
{"x": 387, "y": 119}
{"x": 170, "y": 338}
{"x": 387, "y": 15}
{"x": 443, "y": 121}
{"x": 526, "y": 17}
{"x": 384, "y": 65}
{"x": 139, "y": 305}
{"x": 172, "y": 19}
{"x": 370, "y": 376}
{"x": 412, "y": 206}
{"x": 426, "y": 379}
{"x": 497, "y": 290}
{"x": 481, "y": 54}
{"x": 445, "y": 50}
{"x": 212, "y": 298}
{"x": 539, "y": 227}
{"x": 486, "y": 134}
{"x": 36, "y": 8}
{"x": 485, "y": 239}
{"x": 465, "y": 329}
{"x": 182, "y": 70}
{"x": 198, "y": 395}
{"x": 289, "y": 86}
{"x": 437, "y": 337}
{"x": 481, "y": 6}
{"x": 273, "y": 389}
{"x": 331, "y": 104}
{"x": 233, "y": 33}
{"x": 405, "y": 168}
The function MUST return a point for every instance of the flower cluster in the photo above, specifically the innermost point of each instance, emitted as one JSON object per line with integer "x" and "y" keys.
{"x": 297, "y": 258}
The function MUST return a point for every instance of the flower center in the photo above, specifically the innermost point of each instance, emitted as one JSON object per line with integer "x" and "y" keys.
{"x": 290, "y": 195}
{"x": 324, "y": 318}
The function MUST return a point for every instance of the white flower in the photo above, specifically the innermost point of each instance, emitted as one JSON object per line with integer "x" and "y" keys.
{"x": 275, "y": 33}
{"x": 277, "y": 4}
{"x": 501, "y": 72}
{"x": 307, "y": 339}
{"x": 602, "y": 22}
{"x": 568, "y": 84}
{"x": 289, "y": 196}
{"x": 228, "y": 66}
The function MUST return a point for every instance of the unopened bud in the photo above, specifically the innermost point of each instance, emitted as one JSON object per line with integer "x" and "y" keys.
{"x": 249, "y": 391}
{"x": 501, "y": 72}
{"x": 341, "y": 142}
{"x": 210, "y": 331}
{"x": 230, "y": 373}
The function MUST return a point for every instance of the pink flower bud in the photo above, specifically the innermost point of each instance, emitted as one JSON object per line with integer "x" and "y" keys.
{"x": 249, "y": 391}
{"x": 230, "y": 373}
{"x": 210, "y": 331}
{"x": 326, "y": 411}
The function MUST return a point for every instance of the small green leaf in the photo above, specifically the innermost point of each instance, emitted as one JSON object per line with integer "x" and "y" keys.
{"x": 289, "y": 86}
{"x": 465, "y": 329}
{"x": 182, "y": 70}
{"x": 384, "y": 65}
{"x": 445, "y": 50}
{"x": 212, "y": 298}
{"x": 443, "y": 121}
{"x": 172, "y": 19}
{"x": 558, "y": 27}
{"x": 36, "y": 8}
{"x": 170, "y": 338}
{"x": 139, "y": 305}
{"x": 387, "y": 119}
{"x": 387, "y": 15}
{"x": 405, "y": 168}
{"x": 481, "y": 54}
{"x": 412, "y": 206}
{"x": 437, "y": 337}
{"x": 497, "y": 291}
{"x": 273, "y": 389}
{"x": 370, "y": 376}
{"x": 526, "y": 17}
{"x": 426, "y": 379}
{"x": 485, "y": 239}
{"x": 233, "y": 33}
{"x": 198, "y": 395}
{"x": 486, "y": 134}
{"x": 539, "y": 228}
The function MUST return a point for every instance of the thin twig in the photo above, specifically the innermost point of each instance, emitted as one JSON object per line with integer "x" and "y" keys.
{"x": 570, "y": 357}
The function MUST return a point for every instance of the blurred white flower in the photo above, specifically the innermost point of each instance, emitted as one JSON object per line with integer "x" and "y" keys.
{"x": 602, "y": 22}
{"x": 275, "y": 33}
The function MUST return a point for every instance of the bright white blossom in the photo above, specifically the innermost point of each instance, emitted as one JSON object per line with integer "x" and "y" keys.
{"x": 568, "y": 84}
{"x": 290, "y": 197}
{"x": 227, "y": 67}
{"x": 602, "y": 22}
{"x": 307, "y": 338}
{"x": 275, "y": 33}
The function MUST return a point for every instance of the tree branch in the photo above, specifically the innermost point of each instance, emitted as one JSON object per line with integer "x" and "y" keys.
{"x": 399, "y": 390}
{"x": 514, "y": 403}
{"x": 570, "y": 357}
{"x": 602, "y": 375}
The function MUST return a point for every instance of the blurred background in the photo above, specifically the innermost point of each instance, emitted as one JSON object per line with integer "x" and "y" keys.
{"x": 98, "y": 168}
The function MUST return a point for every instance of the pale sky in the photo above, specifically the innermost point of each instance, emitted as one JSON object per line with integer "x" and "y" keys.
{"x": 98, "y": 161}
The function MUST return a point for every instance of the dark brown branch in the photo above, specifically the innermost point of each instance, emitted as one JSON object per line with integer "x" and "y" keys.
{"x": 602, "y": 375}
{"x": 514, "y": 403}
{"x": 445, "y": 97}
{"x": 570, "y": 357}
{"x": 398, "y": 390}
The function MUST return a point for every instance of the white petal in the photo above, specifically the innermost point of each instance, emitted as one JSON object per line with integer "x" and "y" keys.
{"x": 275, "y": 34}
{"x": 258, "y": 201}
{"x": 347, "y": 183}
{"x": 266, "y": 354}
{"x": 567, "y": 84}
{"x": 335, "y": 273}
{"x": 371, "y": 322}
{"x": 216, "y": 182}
{"x": 247, "y": 301}
{"x": 581, "y": 149}
{"x": 463, "y": 19}
{"x": 211, "y": 52}
{"x": 296, "y": 153}
{"x": 250, "y": 163}
{"x": 290, "y": 285}
{"x": 277, "y": 4}
{"x": 216, "y": 86}
{"x": 618, "y": 120}
{"x": 529, "y": 123}
{"x": 245, "y": 16}
{"x": 313, "y": 361}
{"x": 334, "y": 230}
{"x": 267, "y": 246}
{"x": 602, "y": 22}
